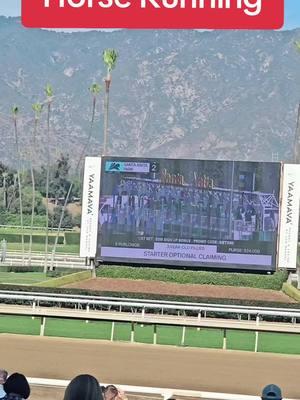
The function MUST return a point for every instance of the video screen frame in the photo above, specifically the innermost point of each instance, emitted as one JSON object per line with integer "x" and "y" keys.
{"x": 189, "y": 213}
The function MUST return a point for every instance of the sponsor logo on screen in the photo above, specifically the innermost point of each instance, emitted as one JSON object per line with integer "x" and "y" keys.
{"x": 127, "y": 166}
{"x": 186, "y": 14}
{"x": 290, "y": 217}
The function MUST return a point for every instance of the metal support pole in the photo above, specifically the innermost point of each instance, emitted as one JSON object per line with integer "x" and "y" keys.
{"x": 183, "y": 336}
{"x": 112, "y": 331}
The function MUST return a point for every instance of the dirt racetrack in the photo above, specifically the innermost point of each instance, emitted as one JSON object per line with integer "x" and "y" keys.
{"x": 149, "y": 365}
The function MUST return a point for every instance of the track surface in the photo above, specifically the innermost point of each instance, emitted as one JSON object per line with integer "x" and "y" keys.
{"x": 149, "y": 365}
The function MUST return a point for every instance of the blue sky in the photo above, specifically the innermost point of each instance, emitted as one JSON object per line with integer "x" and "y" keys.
{"x": 292, "y": 11}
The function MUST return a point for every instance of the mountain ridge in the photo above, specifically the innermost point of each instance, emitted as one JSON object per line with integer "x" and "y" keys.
{"x": 178, "y": 94}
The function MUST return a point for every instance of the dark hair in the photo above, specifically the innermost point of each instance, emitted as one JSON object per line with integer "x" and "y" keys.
{"x": 18, "y": 384}
{"x": 83, "y": 387}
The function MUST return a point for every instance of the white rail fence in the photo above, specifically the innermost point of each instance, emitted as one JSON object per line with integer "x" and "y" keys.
{"x": 137, "y": 312}
{"x": 142, "y": 306}
{"x": 166, "y": 393}
{"x": 145, "y": 302}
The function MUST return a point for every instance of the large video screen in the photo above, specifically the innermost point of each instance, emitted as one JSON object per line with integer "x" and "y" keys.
{"x": 189, "y": 213}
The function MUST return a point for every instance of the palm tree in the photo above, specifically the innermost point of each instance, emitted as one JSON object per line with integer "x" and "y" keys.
{"x": 94, "y": 89}
{"x": 49, "y": 99}
{"x": 4, "y": 175}
{"x": 15, "y": 112}
{"x": 37, "y": 108}
{"x": 110, "y": 57}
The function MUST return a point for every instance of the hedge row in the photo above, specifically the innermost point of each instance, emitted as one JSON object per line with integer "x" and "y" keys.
{"x": 36, "y": 268}
{"x": 72, "y": 237}
{"x": 17, "y": 238}
{"x": 147, "y": 296}
{"x": 274, "y": 281}
{"x": 20, "y": 268}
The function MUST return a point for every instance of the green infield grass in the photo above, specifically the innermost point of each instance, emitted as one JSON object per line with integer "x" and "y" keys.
{"x": 22, "y": 278}
{"x": 166, "y": 335}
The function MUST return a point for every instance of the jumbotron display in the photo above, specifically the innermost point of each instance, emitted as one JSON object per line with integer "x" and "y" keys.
{"x": 189, "y": 213}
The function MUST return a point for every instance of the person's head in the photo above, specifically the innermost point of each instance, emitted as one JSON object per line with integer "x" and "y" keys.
{"x": 3, "y": 376}
{"x": 17, "y": 383}
{"x": 271, "y": 392}
{"x": 111, "y": 392}
{"x": 83, "y": 387}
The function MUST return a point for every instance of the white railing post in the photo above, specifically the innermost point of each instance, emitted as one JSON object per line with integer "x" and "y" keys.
{"x": 224, "y": 339}
{"x": 112, "y": 331}
{"x": 132, "y": 333}
{"x": 183, "y": 336}
{"x": 87, "y": 310}
{"x": 43, "y": 324}
{"x": 256, "y": 342}
{"x": 154, "y": 334}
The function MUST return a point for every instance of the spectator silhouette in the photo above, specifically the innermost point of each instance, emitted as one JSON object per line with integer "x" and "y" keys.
{"x": 16, "y": 387}
{"x": 3, "y": 377}
{"x": 83, "y": 387}
{"x": 271, "y": 392}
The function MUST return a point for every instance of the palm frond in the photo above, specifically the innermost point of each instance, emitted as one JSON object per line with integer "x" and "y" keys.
{"x": 15, "y": 110}
{"x": 110, "y": 57}
{"x": 297, "y": 45}
{"x": 49, "y": 90}
{"x": 37, "y": 108}
{"x": 95, "y": 89}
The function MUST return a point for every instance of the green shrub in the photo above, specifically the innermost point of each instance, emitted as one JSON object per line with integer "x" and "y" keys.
{"x": 17, "y": 237}
{"x": 148, "y": 296}
{"x": 291, "y": 291}
{"x": 274, "y": 281}
{"x": 18, "y": 268}
{"x": 14, "y": 219}
{"x": 72, "y": 237}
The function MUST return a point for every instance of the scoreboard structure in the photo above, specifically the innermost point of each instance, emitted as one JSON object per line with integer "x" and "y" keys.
{"x": 190, "y": 213}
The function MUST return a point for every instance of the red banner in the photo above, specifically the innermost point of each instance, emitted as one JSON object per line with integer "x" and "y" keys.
{"x": 154, "y": 14}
